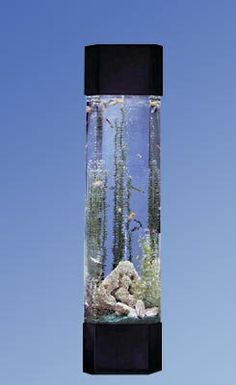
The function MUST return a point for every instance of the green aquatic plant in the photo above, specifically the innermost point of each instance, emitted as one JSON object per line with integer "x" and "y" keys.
{"x": 122, "y": 189}
{"x": 104, "y": 227}
{"x": 96, "y": 221}
{"x": 153, "y": 200}
{"x": 119, "y": 191}
{"x": 148, "y": 287}
{"x": 99, "y": 130}
{"x": 129, "y": 236}
{"x": 96, "y": 202}
{"x": 154, "y": 177}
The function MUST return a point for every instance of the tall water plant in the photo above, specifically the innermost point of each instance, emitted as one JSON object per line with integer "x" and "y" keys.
{"x": 148, "y": 287}
{"x": 128, "y": 230}
{"x": 118, "y": 248}
{"x": 154, "y": 176}
{"x": 96, "y": 205}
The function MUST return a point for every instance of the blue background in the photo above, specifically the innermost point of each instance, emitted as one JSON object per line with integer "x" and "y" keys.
{"x": 42, "y": 184}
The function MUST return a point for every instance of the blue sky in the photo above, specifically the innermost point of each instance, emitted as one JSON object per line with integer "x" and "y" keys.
{"x": 42, "y": 175}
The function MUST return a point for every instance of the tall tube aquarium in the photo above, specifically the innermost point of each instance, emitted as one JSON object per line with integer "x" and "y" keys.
{"x": 122, "y": 286}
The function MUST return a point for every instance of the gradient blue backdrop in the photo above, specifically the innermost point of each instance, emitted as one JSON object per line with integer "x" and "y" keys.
{"x": 42, "y": 163}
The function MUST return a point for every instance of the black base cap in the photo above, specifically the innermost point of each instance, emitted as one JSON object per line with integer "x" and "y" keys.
{"x": 122, "y": 348}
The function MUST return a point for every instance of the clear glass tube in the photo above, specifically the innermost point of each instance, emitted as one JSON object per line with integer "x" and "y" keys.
{"x": 122, "y": 242}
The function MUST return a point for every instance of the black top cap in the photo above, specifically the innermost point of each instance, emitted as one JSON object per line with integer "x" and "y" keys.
{"x": 124, "y": 69}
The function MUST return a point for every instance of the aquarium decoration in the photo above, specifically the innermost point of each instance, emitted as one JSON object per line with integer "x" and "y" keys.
{"x": 122, "y": 307}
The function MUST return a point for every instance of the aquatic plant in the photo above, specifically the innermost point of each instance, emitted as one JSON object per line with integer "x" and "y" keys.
{"x": 96, "y": 202}
{"x": 154, "y": 177}
{"x": 99, "y": 129}
{"x": 153, "y": 201}
{"x": 96, "y": 232}
{"x": 104, "y": 227}
{"x": 148, "y": 287}
{"x": 128, "y": 232}
{"x": 122, "y": 235}
{"x": 118, "y": 248}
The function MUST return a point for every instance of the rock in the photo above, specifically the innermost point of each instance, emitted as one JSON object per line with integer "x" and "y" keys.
{"x": 122, "y": 276}
{"x": 126, "y": 282}
{"x": 140, "y": 308}
{"x": 122, "y": 309}
{"x": 111, "y": 282}
{"x": 152, "y": 311}
{"x": 126, "y": 268}
{"x": 116, "y": 288}
{"x": 103, "y": 301}
{"x": 123, "y": 268}
{"x": 123, "y": 295}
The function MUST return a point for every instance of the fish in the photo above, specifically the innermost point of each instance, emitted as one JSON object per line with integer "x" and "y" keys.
{"x": 138, "y": 226}
{"x": 88, "y": 109}
{"x": 137, "y": 189}
{"x": 116, "y": 101}
{"x": 95, "y": 261}
{"x": 109, "y": 122}
{"x": 139, "y": 156}
{"x": 154, "y": 103}
{"x": 119, "y": 100}
{"x": 131, "y": 215}
{"x": 119, "y": 209}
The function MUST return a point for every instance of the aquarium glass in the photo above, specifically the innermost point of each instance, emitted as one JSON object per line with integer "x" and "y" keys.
{"x": 122, "y": 242}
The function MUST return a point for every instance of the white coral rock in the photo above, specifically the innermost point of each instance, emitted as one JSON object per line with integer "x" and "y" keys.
{"x": 140, "y": 308}
{"x": 123, "y": 295}
{"x": 152, "y": 311}
{"x": 126, "y": 282}
{"x": 115, "y": 292}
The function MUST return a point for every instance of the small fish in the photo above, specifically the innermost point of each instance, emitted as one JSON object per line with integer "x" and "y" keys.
{"x": 137, "y": 189}
{"x": 119, "y": 100}
{"x": 98, "y": 183}
{"x": 154, "y": 103}
{"x": 131, "y": 215}
{"x": 109, "y": 122}
{"x": 95, "y": 261}
{"x": 119, "y": 209}
{"x": 139, "y": 156}
{"x": 88, "y": 109}
{"x": 139, "y": 223}
{"x": 116, "y": 101}
{"x": 138, "y": 226}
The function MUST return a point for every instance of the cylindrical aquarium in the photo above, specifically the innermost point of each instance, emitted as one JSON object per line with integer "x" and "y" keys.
{"x": 122, "y": 309}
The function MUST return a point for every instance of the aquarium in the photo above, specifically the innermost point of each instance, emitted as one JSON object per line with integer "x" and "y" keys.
{"x": 122, "y": 284}
{"x": 122, "y": 242}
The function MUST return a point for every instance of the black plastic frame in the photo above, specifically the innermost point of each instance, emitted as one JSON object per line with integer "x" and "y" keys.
{"x": 122, "y": 348}
{"x": 123, "y": 69}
